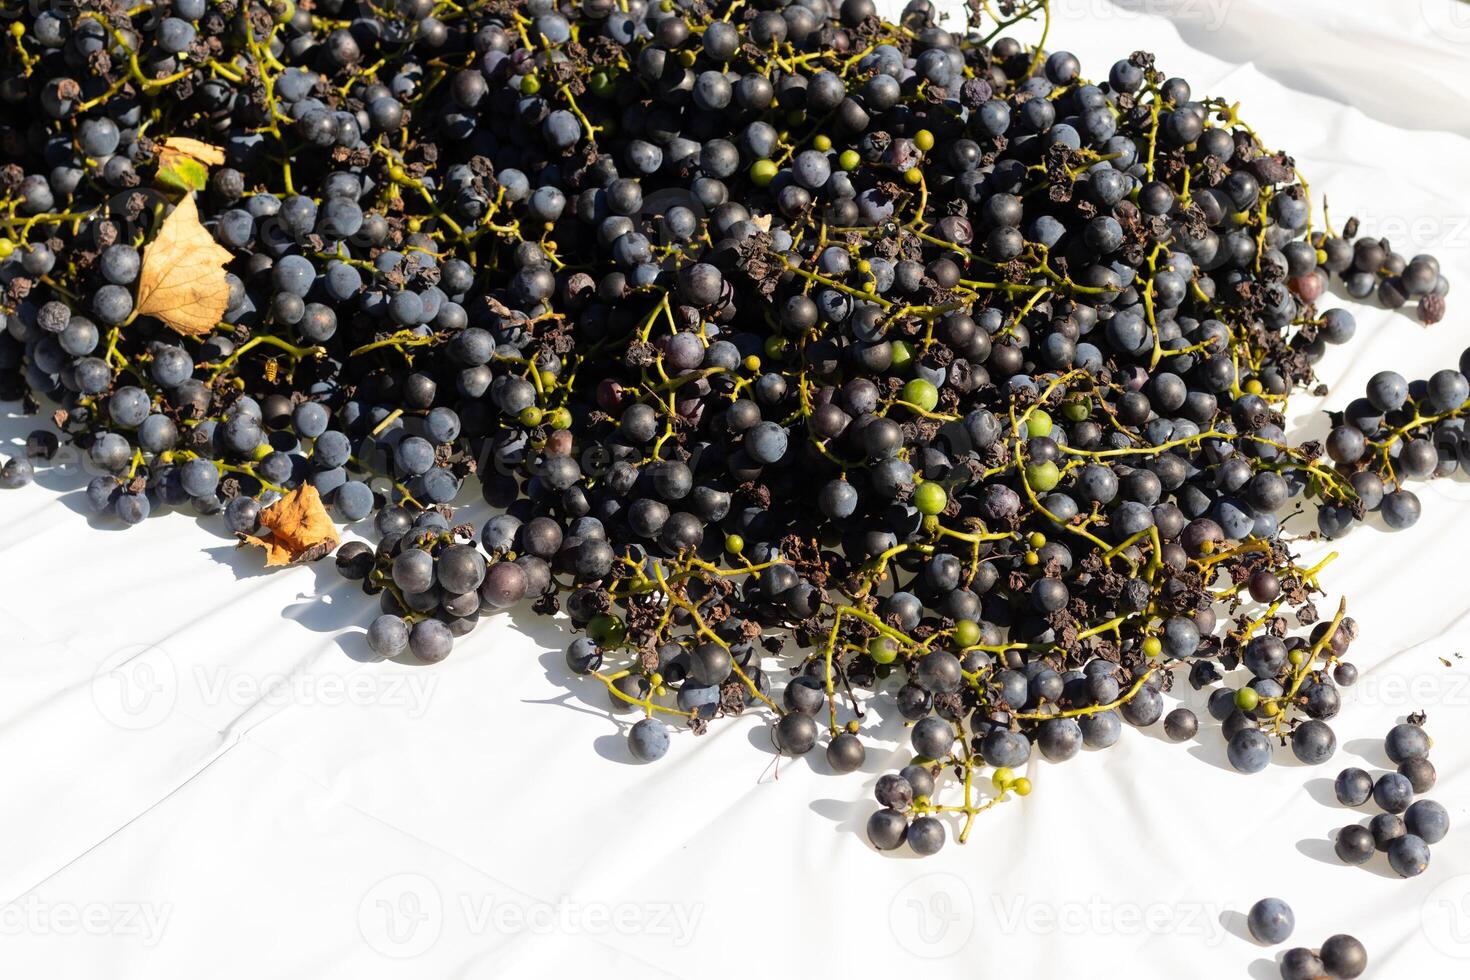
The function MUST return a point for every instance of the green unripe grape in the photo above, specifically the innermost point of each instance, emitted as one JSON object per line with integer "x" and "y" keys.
{"x": 903, "y": 355}
{"x": 1152, "y": 647}
{"x": 1038, "y": 424}
{"x": 882, "y": 650}
{"x": 849, "y": 160}
{"x": 600, "y": 85}
{"x": 606, "y": 630}
{"x": 967, "y": 632}
{"x": 921, "y": 393}
{"x": 1077, "y": 410}
{"x": 1043, "y": 476}
{"x": 762, "y": 172}
{"x": 1246, "y": 699}
{"x": 531, "y": 415}
{"x": 930, "y": 498}
{"x": 734, "y": 544}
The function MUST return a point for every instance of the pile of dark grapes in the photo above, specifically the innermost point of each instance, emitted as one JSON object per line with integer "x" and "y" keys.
{"x": 1405, "y": 828}
{"x": 815, "y": 365}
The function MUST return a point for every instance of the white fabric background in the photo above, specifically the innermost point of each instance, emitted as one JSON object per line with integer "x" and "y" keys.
{"x": 203, "y": 778}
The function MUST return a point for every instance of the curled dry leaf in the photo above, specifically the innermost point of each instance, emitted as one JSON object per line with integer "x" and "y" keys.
{"x": 300, "y": 529}
{"x": 183, "y": 278}
{"x": 177, "y": 146}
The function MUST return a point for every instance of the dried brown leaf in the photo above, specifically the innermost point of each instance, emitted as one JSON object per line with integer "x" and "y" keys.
{"x": 177, "y": 146}
{"x": 183, "y": 278}
{"x": 300, "y": 529}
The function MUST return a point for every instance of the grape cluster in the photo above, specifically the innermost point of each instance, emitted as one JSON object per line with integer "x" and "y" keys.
{"x": 1370, "y": 267}
{"x": 433, "y": 582}
{"x": 1405, "y": 828}
{"x": 817, "y": 365}
{"x": 1397, "y": 432}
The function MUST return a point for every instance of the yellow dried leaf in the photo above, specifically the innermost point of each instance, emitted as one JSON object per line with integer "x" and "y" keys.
{"x": 183, "y": 281}
{"x": 300, "y": 529}
{"x": 177, "y": 146}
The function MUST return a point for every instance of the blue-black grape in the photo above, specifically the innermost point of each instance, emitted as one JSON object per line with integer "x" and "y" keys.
{"x": 1271, "y": 921}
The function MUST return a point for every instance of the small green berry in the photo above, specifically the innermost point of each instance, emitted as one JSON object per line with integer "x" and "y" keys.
{"x": 930, "y": 498}
{"x": 882, "y": 650}
{"x": 1043, "y": 477}
{"x": 921, "y": 393}
{"x": 967, "y": 632}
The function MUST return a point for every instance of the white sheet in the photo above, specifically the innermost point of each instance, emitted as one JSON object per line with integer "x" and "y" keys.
{"x": 203, "y": 780}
